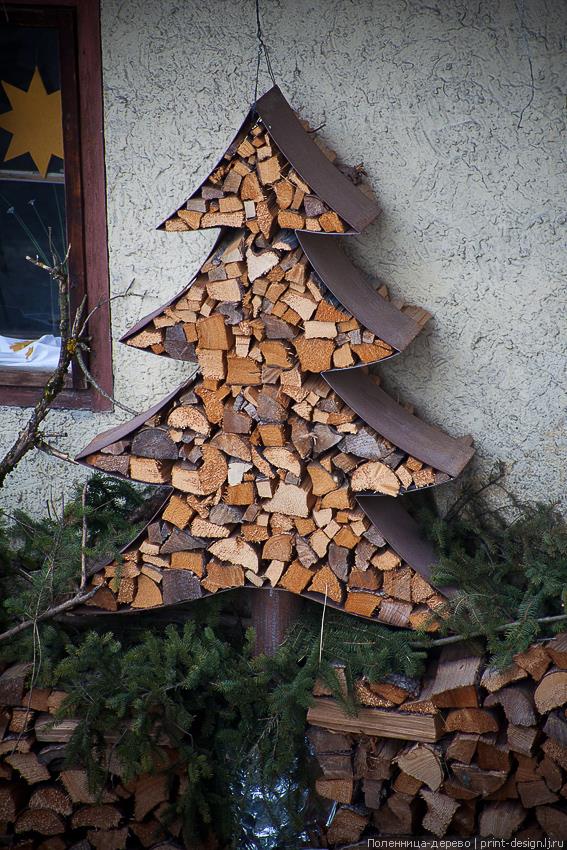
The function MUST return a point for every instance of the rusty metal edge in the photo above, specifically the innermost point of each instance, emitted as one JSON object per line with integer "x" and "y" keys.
{"x": 396, "y": 424}
{"x": 307, "y": 159}
{"x": 124, "y": 429}
{"x": 312, "y": 597}
{"x": 311, "y": 163}
{"x": 347, "y": 283}
{"x": 402, "y": 533}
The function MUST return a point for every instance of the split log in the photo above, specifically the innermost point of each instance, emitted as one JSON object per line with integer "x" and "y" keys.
{"x": 483, "y": 782}
{"x": 41, "y": 821}
{"x": 494, "y": 680}
{"x": 335, "y": 789}
{"x": 422, "y": 763}
{"x": 557, "y": 651}
{"x": 387, "y": 724}
{"x": 517, "y": 702}
{"x": 553, "y": 822}
{"x": 347, "y": 826}
{"x": 456, "y": 679}
{"x": 398, "y": 815}
{"x": 53, "y": 798}
{"x": 12, "y": 798}
{"x": 471, "y": 720}
{"x": 501, "y": 820}
{"x": 28, "y": 766}
{"x": 12, "y": 684}
{"x": 440, "y": 811}
{"x": 535, "y": 794}
{"x": 534, "y": 661}
{"x": 552, "y": 691}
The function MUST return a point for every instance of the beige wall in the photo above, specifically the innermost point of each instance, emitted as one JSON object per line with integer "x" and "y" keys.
{"x": 464, "y": 153}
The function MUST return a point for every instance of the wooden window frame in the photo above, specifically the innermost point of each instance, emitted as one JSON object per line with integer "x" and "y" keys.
{"x": 85, "y": 193}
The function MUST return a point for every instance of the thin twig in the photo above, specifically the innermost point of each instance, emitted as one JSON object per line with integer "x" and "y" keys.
{"x": 76, "y": 600}
{"x": 84, "y": 536}
{"x": 43, "y": 446}
{"x": 91, "y": 380}
{"x": 323, "y": 625}
{"x": 102, "y": 303}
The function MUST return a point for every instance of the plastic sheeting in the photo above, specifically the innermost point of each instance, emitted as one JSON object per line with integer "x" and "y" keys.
{"x": 42, "y": 353}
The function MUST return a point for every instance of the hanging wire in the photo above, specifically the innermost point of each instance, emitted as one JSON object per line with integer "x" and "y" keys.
{"x": 262, "y": 49}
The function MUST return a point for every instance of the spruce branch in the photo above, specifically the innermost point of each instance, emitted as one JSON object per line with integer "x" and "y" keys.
{"x": 445, "y": 641}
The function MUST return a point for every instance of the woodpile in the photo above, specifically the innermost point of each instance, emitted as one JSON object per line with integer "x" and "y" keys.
{"x": 264, "y": 494}
{"x": 254, "y": 186}
{"x": 264, "y": 456}
{"x": 468, "y": 751}
{"x": 277, "y": 311}
{"x": 47, "y": 805}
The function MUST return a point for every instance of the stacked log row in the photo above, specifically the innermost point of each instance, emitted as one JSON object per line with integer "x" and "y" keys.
{"x": 254, "y": 186}
{"x": 256, "y": 285}
{"x": 468, "y": 751}
{"x": 264, "y": 494}
{"x": 46, "y": 805}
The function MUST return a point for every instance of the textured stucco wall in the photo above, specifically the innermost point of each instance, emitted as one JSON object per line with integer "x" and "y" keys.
{"x": 457, "y": 111}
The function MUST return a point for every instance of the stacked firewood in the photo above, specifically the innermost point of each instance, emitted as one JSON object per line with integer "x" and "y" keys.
{"x": 469, "y": 751}
{"x": 262, "y": 532}
{"x": 264, "y": 454}
{"x": 264, "y": 485}
{"x": 255, "y": 187}
{"x": 277, "y": 312}
{"x": 46, "y": 805}
{"x": 264, "y": 457}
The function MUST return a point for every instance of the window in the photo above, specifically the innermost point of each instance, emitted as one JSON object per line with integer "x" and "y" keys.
{"x": 52, "y": 194}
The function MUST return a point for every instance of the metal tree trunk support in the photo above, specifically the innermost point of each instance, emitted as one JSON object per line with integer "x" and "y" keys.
{"x": 272, "y": 613}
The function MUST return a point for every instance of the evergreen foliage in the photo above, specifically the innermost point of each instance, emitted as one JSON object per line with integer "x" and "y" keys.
{"x": 40, "y": 559}
{"x": 509, "y": 568}
{"x": 236, "y": 722}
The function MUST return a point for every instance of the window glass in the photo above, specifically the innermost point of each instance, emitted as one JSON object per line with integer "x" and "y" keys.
{"x": 32, "y": 193}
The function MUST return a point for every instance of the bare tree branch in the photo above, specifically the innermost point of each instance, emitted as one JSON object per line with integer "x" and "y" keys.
{"x": 27, "y": 438}
{"x": 98, "y": 388}
{"x": 48, "y": 614}
{"x": 43, "y": 446}
{"x": 445, "y": 641}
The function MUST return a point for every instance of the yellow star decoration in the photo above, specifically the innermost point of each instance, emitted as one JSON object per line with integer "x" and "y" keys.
{"x": 35, "y": 121}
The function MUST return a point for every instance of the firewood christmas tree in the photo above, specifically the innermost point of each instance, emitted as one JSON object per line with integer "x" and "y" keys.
{"x": 283, "y": 452}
